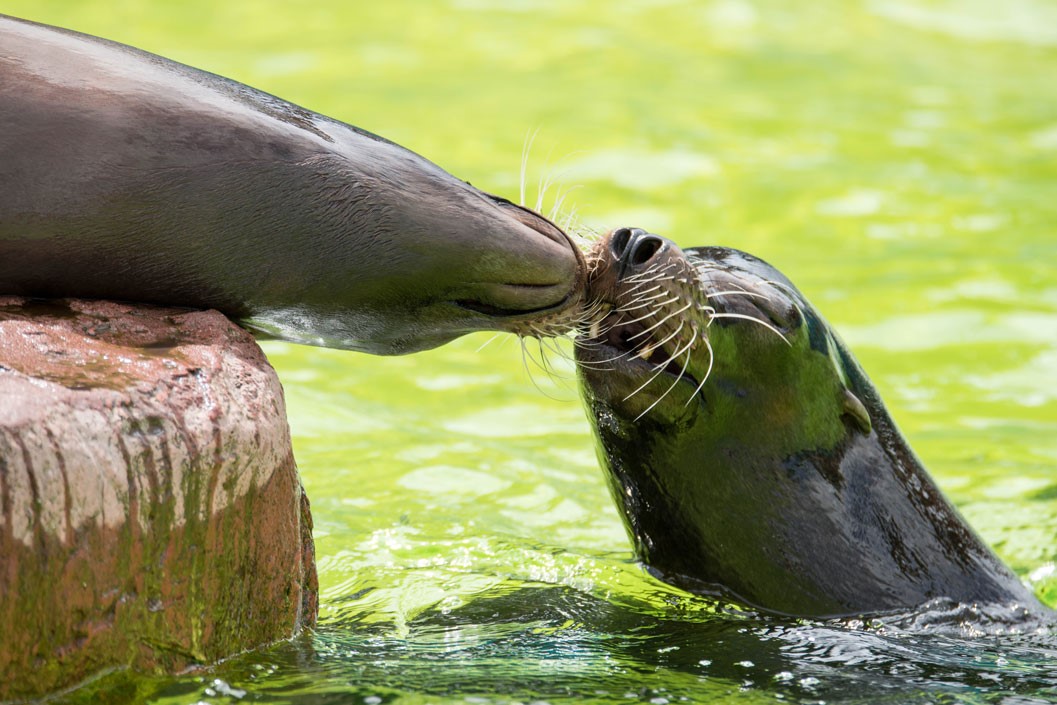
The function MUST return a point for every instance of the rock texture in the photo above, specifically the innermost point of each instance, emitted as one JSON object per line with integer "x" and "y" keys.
{"x": 151, "y": 513}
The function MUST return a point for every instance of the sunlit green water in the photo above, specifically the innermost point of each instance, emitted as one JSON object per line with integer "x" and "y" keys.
{"x": 897, "y": 159}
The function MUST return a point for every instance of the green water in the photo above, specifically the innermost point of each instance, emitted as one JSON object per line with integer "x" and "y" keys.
{"x": 896, "y": 158}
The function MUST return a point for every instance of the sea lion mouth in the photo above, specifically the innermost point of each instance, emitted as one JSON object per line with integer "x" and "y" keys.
{"x": 527, "y": 292}
{"x": 629, "y": 342}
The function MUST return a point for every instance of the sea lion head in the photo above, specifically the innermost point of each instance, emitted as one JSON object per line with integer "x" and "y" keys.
{"x": 712, "y": 385}
{"x": 140, "y": 179}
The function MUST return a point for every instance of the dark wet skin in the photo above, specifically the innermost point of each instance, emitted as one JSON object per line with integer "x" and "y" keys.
{"x": 782, "y": 482}
{"x": 127, "y": 176}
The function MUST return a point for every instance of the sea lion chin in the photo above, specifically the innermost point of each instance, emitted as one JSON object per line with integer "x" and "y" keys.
{"x": 749, "y": 453}
{"x": 127, "y": 176}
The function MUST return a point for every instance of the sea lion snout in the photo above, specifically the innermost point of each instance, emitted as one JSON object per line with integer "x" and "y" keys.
{"x": 544, "y": 271}
{"x": 623, "y": 259}
{"x": 528, "y": 281}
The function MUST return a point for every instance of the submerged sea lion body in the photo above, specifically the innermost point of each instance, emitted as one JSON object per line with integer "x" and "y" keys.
{"x": 127, "y": 176}
{"x": 760, "y": 463}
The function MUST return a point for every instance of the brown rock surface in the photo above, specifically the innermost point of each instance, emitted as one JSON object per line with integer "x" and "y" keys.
{"x": 151, "y": 514}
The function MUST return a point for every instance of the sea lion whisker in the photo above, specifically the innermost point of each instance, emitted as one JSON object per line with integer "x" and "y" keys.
{"x": 556, "y": 349}
{"x": 657, "y": 401}
{"x": 590, "y": 343}
{"x": 525, "y": 357}
{"x": 643, "y": 273}
{"x": 646, "y": 277}
{"x": 789, "y": 291}
{"x": 643, "y": 302}
{"x": 654, "y": 376}
{"x": 657, "y": 281}
{"x": 526, "y": 148}
{"x": 601, "y": 330}
{"x": 606, "y": 364}
{"x": 642, "y": 295}
{"x": 486, "y": 343}
{"x": 636, "y": 292}
{"x": 784, "y": 288}
{"x": 594, "y": 328}
{"x": 590, "y": 323}
{"x": 544, "y": 362}
{"x": 593, "y": 334}
{"x": 598, "y": 364}
{"x": 657, "y": 308}
{"x": 558, "y": 378}
{"x": 648, "y": 349}
{"x": 768, "y": 326}
{"x": 544, "y": 184}
{"x": 653, "y": 268}
{"x": 586, "y": 315}
{"x": 640, "y": 305}
{"x": 660, "y": 322}
{"x": 736, "y": 293}
{"x": 675, "y": 356}
{"x": 549, "y": 340}
{"x": 634, "y": 297}
{"x": 562, "y": 195}
{"x": 569, "y": 222}
{"x": 650, "y": 274}
{"x": 652, "y": 312}
{"x": 708, "y": 372}
{"x": 644, "y": 385}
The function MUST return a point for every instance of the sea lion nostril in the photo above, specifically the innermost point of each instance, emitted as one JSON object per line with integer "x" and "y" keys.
{"x": 619, "y": 241}
{"x": 643, "y": 249}
{"x": 639, "y": 249}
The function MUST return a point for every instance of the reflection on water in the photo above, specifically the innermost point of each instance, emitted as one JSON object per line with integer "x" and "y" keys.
{"x": 896, "y": 158}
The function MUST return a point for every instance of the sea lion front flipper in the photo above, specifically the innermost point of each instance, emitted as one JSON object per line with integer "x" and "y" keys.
{"x": 857, "y": 411}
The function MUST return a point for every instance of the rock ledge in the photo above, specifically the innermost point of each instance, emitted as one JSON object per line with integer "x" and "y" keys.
{"x": 151, "y": 514}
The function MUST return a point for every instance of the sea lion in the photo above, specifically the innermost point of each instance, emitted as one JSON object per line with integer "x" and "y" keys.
{"x": 749, "y": 453}
{"x": 127, "y": 176}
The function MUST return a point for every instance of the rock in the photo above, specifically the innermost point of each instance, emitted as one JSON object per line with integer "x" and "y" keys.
{"x": 151, "y": 514}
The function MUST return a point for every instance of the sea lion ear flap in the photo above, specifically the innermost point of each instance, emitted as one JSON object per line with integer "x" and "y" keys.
{"x": 855, "y": 409}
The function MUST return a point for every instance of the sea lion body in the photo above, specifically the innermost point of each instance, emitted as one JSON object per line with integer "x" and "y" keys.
{"x": 760, "y": 463}
{"x": 124, "y": 175}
